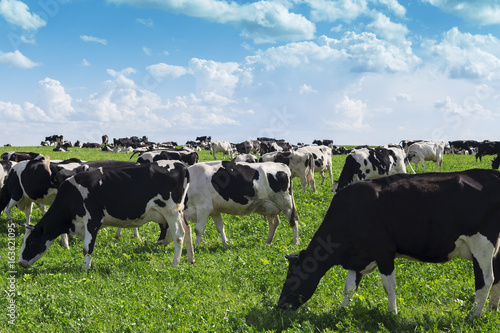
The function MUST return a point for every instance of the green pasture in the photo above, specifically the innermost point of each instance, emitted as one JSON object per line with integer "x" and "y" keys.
{"x": 132, "y": 288}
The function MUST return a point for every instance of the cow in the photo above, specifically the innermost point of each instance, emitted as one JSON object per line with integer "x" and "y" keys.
{"x": 188, "y": 157}
{"x": 240, "y": 189}
{"x": 426, "y": 151}
{"x": 487, "y": 148}
{"x": 122, "y": 197}
{"x": 105, "y": 139}
{"x": 369, "y": 163}
{"x": 54, "y": 139}
{"x": 243, "y": 147}
{"x": 405, "y": 144}
{"x": 300, "y": 162}
{"x": 460, "y": 146}
{"x": 63, "y": 147}
{"x": 322, "y": 160}
{"x": 328, "y": 143}
{"x": 249, "y": 158}
{"x": 222, "y": 146}
{"x": 368, "y": 225}
{"x": 93, "y": 145}
{"x": 20, "y": 156}
{"x": 204, "y": 139}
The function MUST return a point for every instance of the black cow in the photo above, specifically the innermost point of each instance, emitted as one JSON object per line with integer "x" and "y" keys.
{"x": 54, "y": 139}
{"x": 186, "y": 156}
{"x": 122, "y": 197}
{"x": 487, "y": 148}
{"x": 204, "y": 139}
{"x": 323, "y": 143}
{"x": 105, "y": 139}
{"x": 459, "y": 146}
{"x": 20, "y": 156}
{"x": 369, "y": 224}
{"x": 244, "y": 147}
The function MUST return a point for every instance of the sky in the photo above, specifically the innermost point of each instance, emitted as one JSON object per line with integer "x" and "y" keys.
{"x": 353, "y": 71}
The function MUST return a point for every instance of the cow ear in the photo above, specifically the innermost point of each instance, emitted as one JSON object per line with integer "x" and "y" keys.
{"x": 46, "y": 164}
{"x": 292, "y": 258}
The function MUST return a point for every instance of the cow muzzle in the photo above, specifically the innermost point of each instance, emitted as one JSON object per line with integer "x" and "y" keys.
{"x": 23, "y": 263}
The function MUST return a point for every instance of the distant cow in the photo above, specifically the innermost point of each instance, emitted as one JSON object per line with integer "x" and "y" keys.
{"x": 300, "y": 162}
{"x": 369, "y": 224}
{"x": 328, "y": 143}
{"x": 223, "y": 147}
{"x": 123, "y": 197}
{"x": 54, "y": 139}
{"x": 322, "y": 160}
{"x": 405, "y": 144}
{"x": 426, "y": 151}
{"x": 369, "y": 163}
{"x": 204, "y": 139}
{"x": 459, "y": 146}
{"x": 185, "y": 156}
{"x": 243, "y": 147}
{"x": 487, "y": 148}
{"x": 105, "y": 139}
{"x": 240, "y": 189}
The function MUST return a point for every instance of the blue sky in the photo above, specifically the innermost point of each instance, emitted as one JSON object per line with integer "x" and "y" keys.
{"x": 355, "y": 71}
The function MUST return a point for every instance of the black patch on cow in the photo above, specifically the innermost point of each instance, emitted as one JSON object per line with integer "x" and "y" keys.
{"x": 278, "y": 182}
{"x": 35, "y": 180}
{"x": 283, "y": 158}
{"x": 235, "y": 181}
{"x": 351, "y": 167}
{"x": 160, "y": 203}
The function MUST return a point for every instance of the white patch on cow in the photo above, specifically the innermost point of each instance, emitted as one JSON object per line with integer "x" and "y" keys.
{"x": 28, "y": 263}
{"x": 389, "y": 283}
{"x": 86, "y": 262}
{"x": 83, "y": 190}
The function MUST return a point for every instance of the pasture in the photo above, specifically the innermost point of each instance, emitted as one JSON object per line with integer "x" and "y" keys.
{"x": 132, "y": 288}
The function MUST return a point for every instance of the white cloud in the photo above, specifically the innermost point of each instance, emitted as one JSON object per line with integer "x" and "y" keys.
{"x": 306, "y": 89}
{"x": 345, "y": 10}
{"x": 476, "y": 11}
{"x": 147, "y": 22}
{"x": 85, "y": 63}
{"x": 262, "y": 21}
{"x": 216, "y": 77}
{"x": 17, "y": 13}
{"x": 388, "y": 30}
{"x": 162, "y": 70}
{"x": 471, "y": 108}
{"x": 463, "y": 55}
{"x": 92, "y": 39}
{"x": 16, "y": 59}
{"x": 352, "y": 113}
{"x": 53, "y": 99}
{"x": 401, "y": 97}
{"x": 395, "y": 7}
{"x": 146, "y": 50}
{"x": 11, "y": 112}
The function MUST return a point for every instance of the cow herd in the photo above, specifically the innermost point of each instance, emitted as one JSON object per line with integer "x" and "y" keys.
{"x": 367, "y": 225}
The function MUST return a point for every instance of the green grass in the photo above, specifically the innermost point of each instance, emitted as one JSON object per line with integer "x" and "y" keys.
{"x": 132, "y": 288}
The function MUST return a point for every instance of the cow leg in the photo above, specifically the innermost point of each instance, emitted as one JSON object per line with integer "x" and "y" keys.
{"x": 189, "y": 242}
{"x": 162, "y": 239}
{"x": 389, "y": 283}
{"x": 136, "y": 233}
{"x": 483, "y": 276}
{"x": 64, "y": 241}
{"x": 219, "y": 224}
{"x": 274, "y": 222}
{"x": 43, "y": 208}
{"x": 118, "y": 234}
{"x": 351, "y": 286}
{"x": 92, "y": 226}
{"x": 330, "y": 174}
{"x": 201, "y": 223}
{"x": 27, "y": 211}
{"x": 423, "y": 164}
{"x": 322, "y": 177}
{"x": 175, "y": 224}
{"x": 495, "y": 289}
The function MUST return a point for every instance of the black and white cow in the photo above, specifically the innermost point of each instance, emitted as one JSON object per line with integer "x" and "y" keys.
{"x": 54, "y": 139}
{"x": 369, "y": 163}
{"x": 322, "y": 160}
{"x": 5, "y": 167}
{"x": 20, "y": 156}
{"x": 487, "y": 148}
{"x": 240, "y": 189}
{"x": 368, "y": 225}
{"x": 124, "y": 197}
{"x": 461, "y": 146}
{"x": 188, "y": 157}
{"x": 249, "y": 158}
{"x": 223, "y": 147}
{"x": 243, "y": 147}
{"x": 328, "y": 143}
{"x": 407, "y": 143}
{"x": 420, "y": 152}
{"x": 300, "y": 162}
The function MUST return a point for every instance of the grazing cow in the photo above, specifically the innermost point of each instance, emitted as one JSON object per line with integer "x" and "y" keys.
{"x": 186, "y": 156}
{"x": 204, "y": 139}
{"x": 459, "y": 146}
{"x": 407, "y": 143}
{"x": 328, "y": 143}
{"x": 54, "y": 139}
{"x": 105, "y": 139}
{"x": 487, "y": 148}
{"x": 300, "y": 162}
{"x": 93, "y": 145}
{"x": 369, "y": 163}
{"x": 322, "y": 160}
{"x": 368, "y": 225}
{"x": 18, "y": 156}
{"x": 426, "y": 151}
{"x": 244, "y": 147}
{"x": 63, "y": 147}
{"x": 122, "y": 197}
{"x": 240, "y": 189}
{"x": 222, "y": 146}
{"x": 248, "y": 158}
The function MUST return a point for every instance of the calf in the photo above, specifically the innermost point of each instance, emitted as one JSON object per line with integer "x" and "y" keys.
{"x": 123, "y": 197}
{"x": 369, "y": 163}
{"x": 240, "y": 189}
{"x": 426, "y": 151}
{"x": 222, "y": 146}
{"x": 368, "y": 225}
{"x": 322, "y": 160}
{"x": 300, "y": 162}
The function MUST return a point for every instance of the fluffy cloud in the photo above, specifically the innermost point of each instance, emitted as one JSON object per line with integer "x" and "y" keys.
{"x": 262, "y": 21}
{"x": 352, "y": 113}
{"x": 345, "y": 10}
{"x": 17, "y": 13}
{"x": 162, "y": 70}
{"x": 215, "y": 77}
{"x": 92, "y": 39}
{"x": 53, "y": 99}
{"x": 476, "y": 11}
{"x": 16, "y": 59}
{"x": 463, "y": 55}
{"x": 388, "y": 30}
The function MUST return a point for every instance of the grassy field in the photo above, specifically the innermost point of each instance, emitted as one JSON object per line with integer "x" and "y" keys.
{"x": 132, "y": 288}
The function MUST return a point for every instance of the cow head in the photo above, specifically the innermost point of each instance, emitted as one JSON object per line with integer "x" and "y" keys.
{"x": 35, "y": 243}
{"x": 296, "y": 289}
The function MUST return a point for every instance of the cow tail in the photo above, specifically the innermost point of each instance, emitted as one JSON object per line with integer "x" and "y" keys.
{"x": 294, "y": 216}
